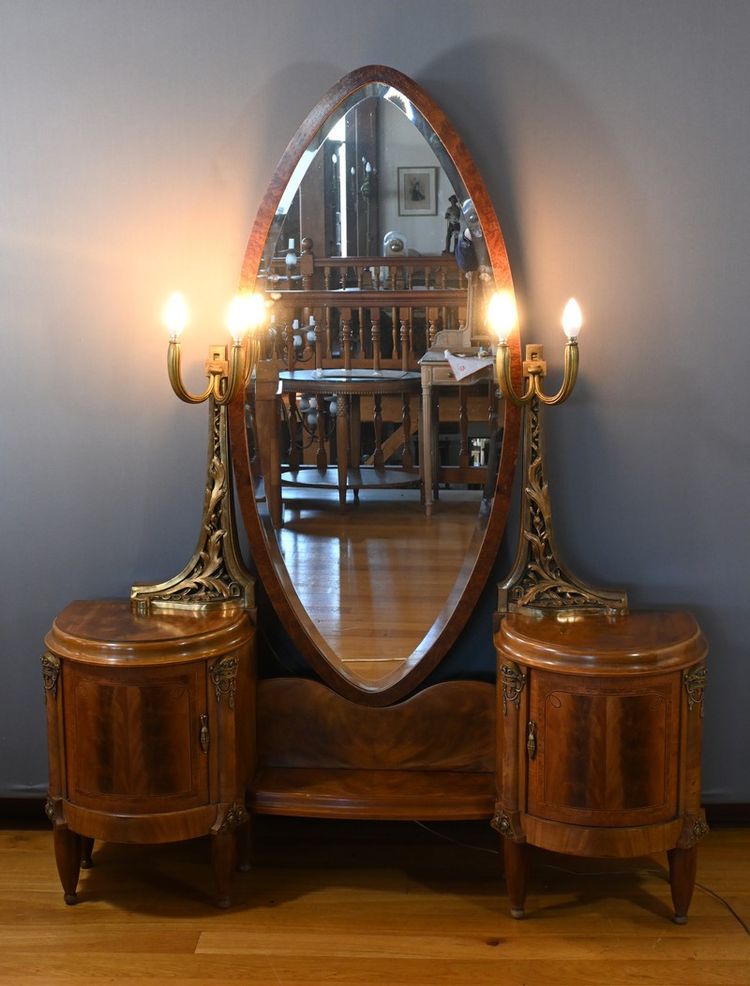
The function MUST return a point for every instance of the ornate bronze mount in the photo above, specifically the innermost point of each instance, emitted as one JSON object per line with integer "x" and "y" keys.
{"x": 513, "y": 684}
{"x": 216, "y": 576}
{"x": 695, "y": 685}
{"x": 507, "y": 825}
{"x": 50, "y": 673}
{"x": 234, "y": 816}
{"x": 538, "y": 579}
{"x": 224, "y": 677}
{"x": 694, "y": 829}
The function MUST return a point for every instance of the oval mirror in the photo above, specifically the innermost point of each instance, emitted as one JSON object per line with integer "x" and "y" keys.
{"x": 374, "y": 478}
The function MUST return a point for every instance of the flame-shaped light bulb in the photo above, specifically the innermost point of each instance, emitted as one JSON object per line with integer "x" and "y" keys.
{"x": 245, "y": 313}
{"x": 175, "y": 315}
{"x": 572, "y": 319}
{"x": 502, "y": 314}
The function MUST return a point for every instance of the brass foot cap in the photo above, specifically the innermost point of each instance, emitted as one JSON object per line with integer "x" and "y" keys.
{"x": 223, "y": 902}
{"x": 70, "y": 898}
{"x": 86, "y": 864}
{"x": 680, "y": 919}
{"x": 517, "y": 913}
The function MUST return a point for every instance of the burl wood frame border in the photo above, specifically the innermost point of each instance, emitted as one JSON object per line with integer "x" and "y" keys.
{"x": 440, "y": 638}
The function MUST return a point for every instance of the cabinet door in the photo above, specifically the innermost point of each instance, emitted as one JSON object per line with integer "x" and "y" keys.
{"x": 606, "y": 748}
{"x": 132, "y": 737}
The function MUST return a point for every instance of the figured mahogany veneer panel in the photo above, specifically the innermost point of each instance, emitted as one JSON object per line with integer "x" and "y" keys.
{"x": 132, "y": 741}
{"x": 606, "y": 749}
{"x": 450, "y": 726}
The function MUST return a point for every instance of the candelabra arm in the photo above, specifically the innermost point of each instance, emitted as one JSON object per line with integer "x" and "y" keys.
{"x": 239, "y": 370}
{"x": 570, "y": 373}
{"x": 175, "y": 377}
{"x": 502, "y": 363}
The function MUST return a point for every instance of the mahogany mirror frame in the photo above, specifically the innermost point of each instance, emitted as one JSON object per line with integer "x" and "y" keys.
{"x": 438, "y": 642}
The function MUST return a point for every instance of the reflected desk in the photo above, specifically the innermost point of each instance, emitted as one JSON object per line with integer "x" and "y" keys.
{"x": 436, "y": 373}
{"x": 346, "y": 387}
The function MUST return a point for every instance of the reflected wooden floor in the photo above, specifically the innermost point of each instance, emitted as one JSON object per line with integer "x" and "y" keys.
{"x": 335, "y": 902}
{"x": 374, "y": 575}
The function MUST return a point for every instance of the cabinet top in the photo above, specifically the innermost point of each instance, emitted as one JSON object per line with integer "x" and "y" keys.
{"x": 107, "y": 631}
{"x": 596, "y": 643}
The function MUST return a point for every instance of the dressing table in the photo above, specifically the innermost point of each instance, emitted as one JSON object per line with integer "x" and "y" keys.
{"x": 362, "y": 726}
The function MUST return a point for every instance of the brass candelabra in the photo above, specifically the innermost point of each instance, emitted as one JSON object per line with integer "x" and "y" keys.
{"x": 538, "y": 579}
{"x": 215, "y": 577}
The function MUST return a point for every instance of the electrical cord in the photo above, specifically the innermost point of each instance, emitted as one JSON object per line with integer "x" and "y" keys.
{"x": 561, "y": 869}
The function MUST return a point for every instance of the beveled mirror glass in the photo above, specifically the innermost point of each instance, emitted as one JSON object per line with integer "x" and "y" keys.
{"x": 374, "y": 486}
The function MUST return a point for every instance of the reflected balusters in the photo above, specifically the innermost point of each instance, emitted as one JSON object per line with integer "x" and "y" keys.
{"x": 318, "y": 345}
{"x": 328, "y": 342}
{"x": 306, "y": 263}
{"x": 394, "y": 333}
{"x": 363, "y": 336}
{"x": 405, "y": 345}
{"x": 375, "y": 335}
{"x": 432, "y": 316}
{"x": 346, "y": 337}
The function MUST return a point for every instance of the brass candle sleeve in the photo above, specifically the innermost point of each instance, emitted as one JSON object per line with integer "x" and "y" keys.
{"x": 224, "y": 382}
{"x": 534, "y": 371}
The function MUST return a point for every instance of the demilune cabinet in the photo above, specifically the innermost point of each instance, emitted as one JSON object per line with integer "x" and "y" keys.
{"x": 599, "y": 721}
{"x": 145, "y": 740}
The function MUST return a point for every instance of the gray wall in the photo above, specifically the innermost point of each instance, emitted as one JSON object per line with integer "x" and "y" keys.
{"x": 137, "y": 139}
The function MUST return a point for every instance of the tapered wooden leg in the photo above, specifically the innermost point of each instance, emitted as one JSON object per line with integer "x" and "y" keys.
{"x": 245, "y": 846}
{"x": 682, "y": 866}
{"x": 224, "y": 852}
{"x": 516, "y": 855}
{"x": 87, "y": 848}
{"x": 68, "y": 859}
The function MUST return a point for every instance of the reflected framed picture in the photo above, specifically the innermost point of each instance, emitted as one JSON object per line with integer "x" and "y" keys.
{"x": 417, "y": 191}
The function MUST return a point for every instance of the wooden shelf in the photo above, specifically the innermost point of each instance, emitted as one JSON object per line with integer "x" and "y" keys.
{"x": 429, "y": 795}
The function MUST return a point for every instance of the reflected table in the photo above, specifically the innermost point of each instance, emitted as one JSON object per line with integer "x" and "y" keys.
{"x": 345, "y": 387}
{"x": 436, "y": 372}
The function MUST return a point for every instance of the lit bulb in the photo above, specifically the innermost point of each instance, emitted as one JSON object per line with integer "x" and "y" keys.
{"x": 572, "y": 319}
{"x": 175, "y": 315}
{"x": 502, "y": 314}
{"x": 245, "y": 313}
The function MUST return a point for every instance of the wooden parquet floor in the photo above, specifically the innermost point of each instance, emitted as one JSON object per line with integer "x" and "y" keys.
{"x": 362, "y": 903}
{"x": 374, "y": 576}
